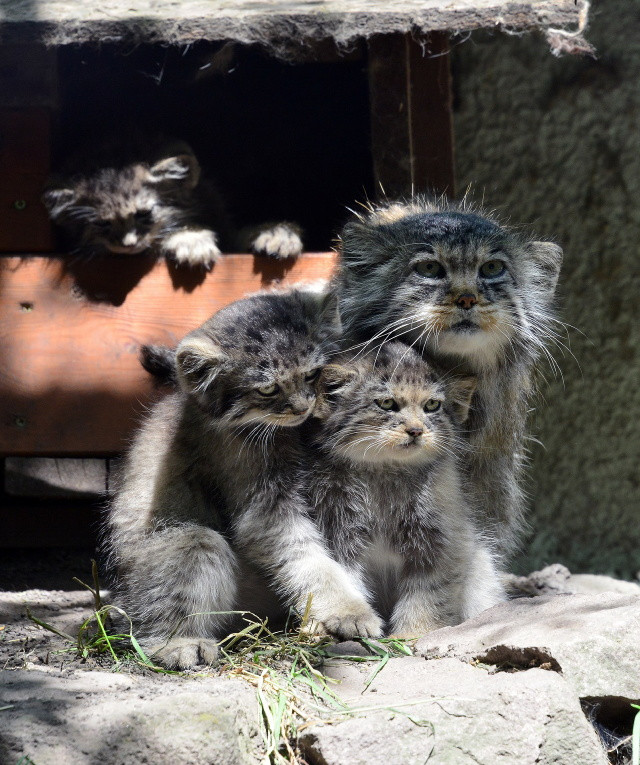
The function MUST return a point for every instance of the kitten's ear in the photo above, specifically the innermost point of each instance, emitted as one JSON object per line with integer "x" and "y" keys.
{"x": 459, "y": 393}
{"x": 183, "y": 168}
{"x": 58, "y": 200}
{"x": 332, "y": 378}
{"x": 547, "y": 259}
{"x": 199, "y": 360}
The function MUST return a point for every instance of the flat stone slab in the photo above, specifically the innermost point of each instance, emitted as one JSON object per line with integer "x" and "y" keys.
{"x": 594, "y": 640}
{"x": 76, "y": 718}
{"x": 449, "y": 712}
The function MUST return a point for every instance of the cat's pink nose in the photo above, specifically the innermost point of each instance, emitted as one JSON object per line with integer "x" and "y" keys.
{"x": 466, "y": 301}
{"x": 414, "y": 431}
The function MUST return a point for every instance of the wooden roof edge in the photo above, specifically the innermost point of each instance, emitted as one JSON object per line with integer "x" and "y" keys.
{"x": 285, "y": 27}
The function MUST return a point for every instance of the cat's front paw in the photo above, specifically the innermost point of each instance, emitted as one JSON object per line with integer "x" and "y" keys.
{"x": 352, "y": 620}
{"x": 185, "y": 652}
{"x": 192, "y": 247}
{"x": 281, "y": 240}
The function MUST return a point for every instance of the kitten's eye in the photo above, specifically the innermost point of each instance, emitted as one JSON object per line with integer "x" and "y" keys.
{"x": 432, "y": 405}
{"x": 143, "y": 215}
{"x": 492, "y": 268}
{"x": 313, "y": 375}
{"x": 269, "y": 390}
{"x": 431, "y": 269}
{"x": 387, "y": 404}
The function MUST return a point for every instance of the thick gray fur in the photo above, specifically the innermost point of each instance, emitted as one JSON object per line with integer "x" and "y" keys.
{"x": 209, "y": 516}
{"x": 382, "y": 296}
{"x": 388, "y": 494}
{"x": 127, "y": 197}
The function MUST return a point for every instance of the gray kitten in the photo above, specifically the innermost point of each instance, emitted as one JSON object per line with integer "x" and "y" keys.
{"x": 474, "y": 297}
{"x": 210, "y": 505}
{"x": 387, "y": 491}
{"x": 126, "y": 198}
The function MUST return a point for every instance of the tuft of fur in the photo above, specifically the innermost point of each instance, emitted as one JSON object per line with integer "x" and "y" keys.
{"x": 387, "y": 491}
{"x": 209, "y": 516}
{"x": 126, "y": 197}
{"x": 412, "y": 270}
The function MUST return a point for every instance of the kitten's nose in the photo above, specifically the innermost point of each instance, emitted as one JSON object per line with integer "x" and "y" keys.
{"x": 414, "y": 431}
{"x": 129, "y": 239}
{"x": 466, "y": 301}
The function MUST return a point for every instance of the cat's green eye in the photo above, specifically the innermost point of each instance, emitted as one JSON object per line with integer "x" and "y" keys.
{"x": 386, "y": 403}
{"x": 492, "y": 268}
{"x": 269, "y": 390}
{"x": 313, "y": 375}
{"x": 432, "y": 405}
{"x": 431, "y": 269}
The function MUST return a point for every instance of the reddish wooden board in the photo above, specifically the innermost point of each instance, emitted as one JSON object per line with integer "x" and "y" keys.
{"x": 70, "y": 380}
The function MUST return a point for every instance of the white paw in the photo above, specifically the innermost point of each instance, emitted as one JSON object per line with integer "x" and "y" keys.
{"x": 192, "y": 247}
{"x": 415, "y": 627}
{"x": 282, "y": 240}
{"x": 354, "y": 620}
{"x": 185, "y": 652}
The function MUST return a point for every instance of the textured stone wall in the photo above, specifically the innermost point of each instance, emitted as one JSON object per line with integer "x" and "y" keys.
{"x": 556, "y": 143}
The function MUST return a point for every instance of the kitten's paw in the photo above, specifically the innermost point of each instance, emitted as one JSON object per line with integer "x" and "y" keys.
{"x": 281, "y": 240}
{"x": 355, "y": 621}
{"x": 185, "y": 652}
{"x": 407, "y": 630}
{"x": 192, "y": 247}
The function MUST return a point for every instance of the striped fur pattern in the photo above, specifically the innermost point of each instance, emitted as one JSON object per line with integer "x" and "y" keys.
{"x": 388, "y": 494}
{"x": 474, "y": 297}
{"x": 210, "y": 515}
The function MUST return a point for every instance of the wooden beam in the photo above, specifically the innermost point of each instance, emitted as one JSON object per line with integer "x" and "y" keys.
{"x": 411, "y": 124}
{"x": 70, "y": 380}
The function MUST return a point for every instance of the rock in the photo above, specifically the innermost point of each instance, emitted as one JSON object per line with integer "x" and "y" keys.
{"x": 80, "y": 717}
{"x": 593, "y": 640}
{"x": 445, "y": 711}
{"x": 556, "y": 579}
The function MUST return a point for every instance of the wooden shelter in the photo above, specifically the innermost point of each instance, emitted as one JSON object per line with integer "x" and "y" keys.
{"x": 367, "y": 105}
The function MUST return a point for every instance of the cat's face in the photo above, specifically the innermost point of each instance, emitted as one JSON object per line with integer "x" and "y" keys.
{"x": 390, "y": 407}
{"x": 257, "y": 362}
{"x": 454, "y": 282}
{"x": 124, "y": 210}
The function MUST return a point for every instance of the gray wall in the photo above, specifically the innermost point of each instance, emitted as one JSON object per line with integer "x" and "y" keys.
{"x": 556, "y": 143}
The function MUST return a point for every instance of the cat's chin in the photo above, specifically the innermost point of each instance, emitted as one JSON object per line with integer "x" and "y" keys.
{"x": 469, "y": 341}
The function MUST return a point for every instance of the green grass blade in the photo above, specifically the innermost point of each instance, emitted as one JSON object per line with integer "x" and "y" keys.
{"x": 50, "y": 627}
{"x": 381, "y": 665}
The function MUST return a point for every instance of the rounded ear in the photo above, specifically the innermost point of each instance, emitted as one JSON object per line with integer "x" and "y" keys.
{"x": 547, "y": 258}
{"x": 183, "y": 168}
{"x": 329, "y": 313}
{"x": 459, "y": 393}
{"x": 332, "y": 378}
{"x": 363, "y": 245}
{"x": 199, "y": 360}
{"x": 58, "y": 200}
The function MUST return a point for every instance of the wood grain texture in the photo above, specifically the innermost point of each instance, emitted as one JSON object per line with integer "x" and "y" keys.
{"x": 25, "y": 137}
{"x": 411, "y": 122}
{"x": 70, "y": 380}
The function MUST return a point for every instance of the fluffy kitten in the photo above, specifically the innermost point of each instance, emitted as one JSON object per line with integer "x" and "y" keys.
{"x": 210, "y": 501}
{"x": 387, "y": 492}
{"x": 146, "y": 194}
{"x": 476, "y": 298}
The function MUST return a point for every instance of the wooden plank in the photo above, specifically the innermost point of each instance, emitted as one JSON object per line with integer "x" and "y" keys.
{"x": 69, "y": 477}
{"x": 25, "y": 137}
{"x": 411, "y": 122}
{"x": 70, "y": 381}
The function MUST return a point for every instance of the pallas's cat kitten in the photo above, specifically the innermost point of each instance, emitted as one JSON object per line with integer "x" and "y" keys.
{"x": 473, "y": 296}
{"x": 387, "y": 490}
{"x": 149, "y": 194}
{"x": 210, "y": 504}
